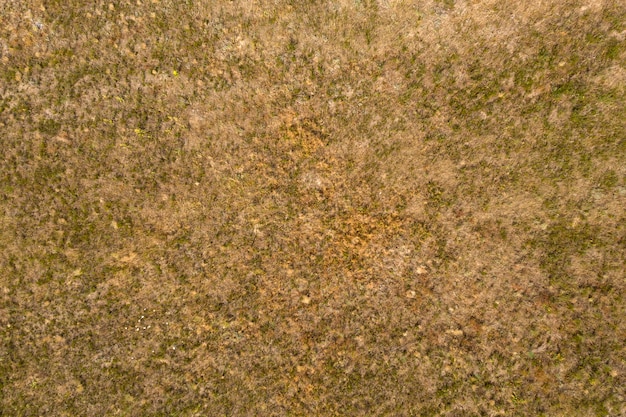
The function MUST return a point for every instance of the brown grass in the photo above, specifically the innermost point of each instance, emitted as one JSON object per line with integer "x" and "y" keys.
{"x": 285, "y": 208}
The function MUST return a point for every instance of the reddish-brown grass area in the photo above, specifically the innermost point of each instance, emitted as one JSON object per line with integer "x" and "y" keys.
{"x": 307, "y": 208}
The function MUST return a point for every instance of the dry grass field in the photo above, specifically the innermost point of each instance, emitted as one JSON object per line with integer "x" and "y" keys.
{"x": 312, "y": 208}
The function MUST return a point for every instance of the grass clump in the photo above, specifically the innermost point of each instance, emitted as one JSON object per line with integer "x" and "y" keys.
{"x": 295, "y": 208}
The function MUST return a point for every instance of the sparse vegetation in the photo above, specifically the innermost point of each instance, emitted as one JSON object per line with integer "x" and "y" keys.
{"x": 290, "y": 208}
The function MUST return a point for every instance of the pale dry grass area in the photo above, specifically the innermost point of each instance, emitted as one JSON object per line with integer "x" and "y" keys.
{"x": 310, "y": 208}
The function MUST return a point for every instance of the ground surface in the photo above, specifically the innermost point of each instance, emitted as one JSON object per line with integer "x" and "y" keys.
{"x": 307, "y": 208}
